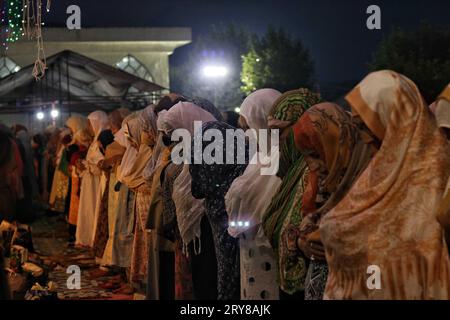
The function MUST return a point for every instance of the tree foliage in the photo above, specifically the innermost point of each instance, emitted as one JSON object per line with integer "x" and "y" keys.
{"x": 276, "y": 61}
{"x": 423, "y": 55}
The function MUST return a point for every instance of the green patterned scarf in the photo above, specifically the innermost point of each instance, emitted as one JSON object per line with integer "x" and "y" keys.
{"x": 285, "y": 211}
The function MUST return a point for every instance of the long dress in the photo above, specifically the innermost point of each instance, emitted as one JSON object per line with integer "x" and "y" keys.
{"x": 101, "y": 225}
{"x": 74, "y": 198}
{"x": 75, "y": 187}
{"x": 211, "y": 182}
{"x": 90, "y": 189}
{"x": 139, "y": 256}
{"x": 120, "y": 223}
{"x": 183, "y": 272}
{"x": 60, "y": 185}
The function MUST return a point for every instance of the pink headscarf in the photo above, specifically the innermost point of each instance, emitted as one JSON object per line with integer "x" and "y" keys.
{"x": 182, "y": 116}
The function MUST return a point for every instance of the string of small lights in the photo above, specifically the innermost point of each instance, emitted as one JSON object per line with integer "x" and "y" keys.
{"x": 15, "y": 10}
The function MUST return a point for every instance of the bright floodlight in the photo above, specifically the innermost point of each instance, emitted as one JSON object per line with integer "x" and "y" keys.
{"x": 17, "y": 68}
{"x": 237, "y": 110}
{"x": 40, "y": 115}
{"x": 215, "y": 71}
{"x": 54, "y": 113}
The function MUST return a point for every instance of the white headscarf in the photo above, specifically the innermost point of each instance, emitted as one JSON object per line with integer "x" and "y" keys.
{"x": 188, "y": 209}
{"x": 130, "y": 154}
{"x": 99, "y": 121}
{"x": 250, "y": 194}
{"x": 182, "y": 115}
{"x": 256, "y": 107}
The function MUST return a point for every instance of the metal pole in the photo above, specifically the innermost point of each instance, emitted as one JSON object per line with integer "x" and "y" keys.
{"x": 68, "y": 83}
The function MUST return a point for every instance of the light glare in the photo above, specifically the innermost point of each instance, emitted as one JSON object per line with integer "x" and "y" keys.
{"x": 40, "y": 115}
{"x": 215, "y": 71}
{"x": 54, "y": 113}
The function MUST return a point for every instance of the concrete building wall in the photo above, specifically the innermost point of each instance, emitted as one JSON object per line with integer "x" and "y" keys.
{"x": 151, "y": 46}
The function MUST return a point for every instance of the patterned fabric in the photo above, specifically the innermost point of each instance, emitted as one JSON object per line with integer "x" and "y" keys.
{"x": 284, "y": 214}
{"x": 183, "y": 272}
{"x": 329, "y": 137}
{"x": 389, "y": 217}
{"x": 293, "y": 265}
{"x": 290, "y": 106}
{"x": 74, "y": 199}
{"x": 211, "y": 182}
{"x": 102, "y": 232}
{"x": 139, "y": 255}
{"x": 60, "y": 189}
{"x": 316, "y": 279}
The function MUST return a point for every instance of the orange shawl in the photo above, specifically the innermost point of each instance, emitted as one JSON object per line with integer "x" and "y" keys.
{"x": 389, "y": 216}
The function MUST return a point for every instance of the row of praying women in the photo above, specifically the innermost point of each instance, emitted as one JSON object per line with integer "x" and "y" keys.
{"x": 23, "y": 180}
{"x": 356, "y": 190}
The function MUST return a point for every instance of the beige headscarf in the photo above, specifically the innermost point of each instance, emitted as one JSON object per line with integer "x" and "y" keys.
{"x": 82, "y": 137}
{"x": 442, "y": 109}
{"x": 76, "y": 122}
{"x": 250, "y": 194}
{"x": 388, "y": 219}
{"x": 78, "y": 126}
{"x": 99, "y": 121}
{"x": 134, "y": 129}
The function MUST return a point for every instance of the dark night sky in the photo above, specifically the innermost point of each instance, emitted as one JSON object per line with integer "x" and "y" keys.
{"x": 334, "y": 31}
